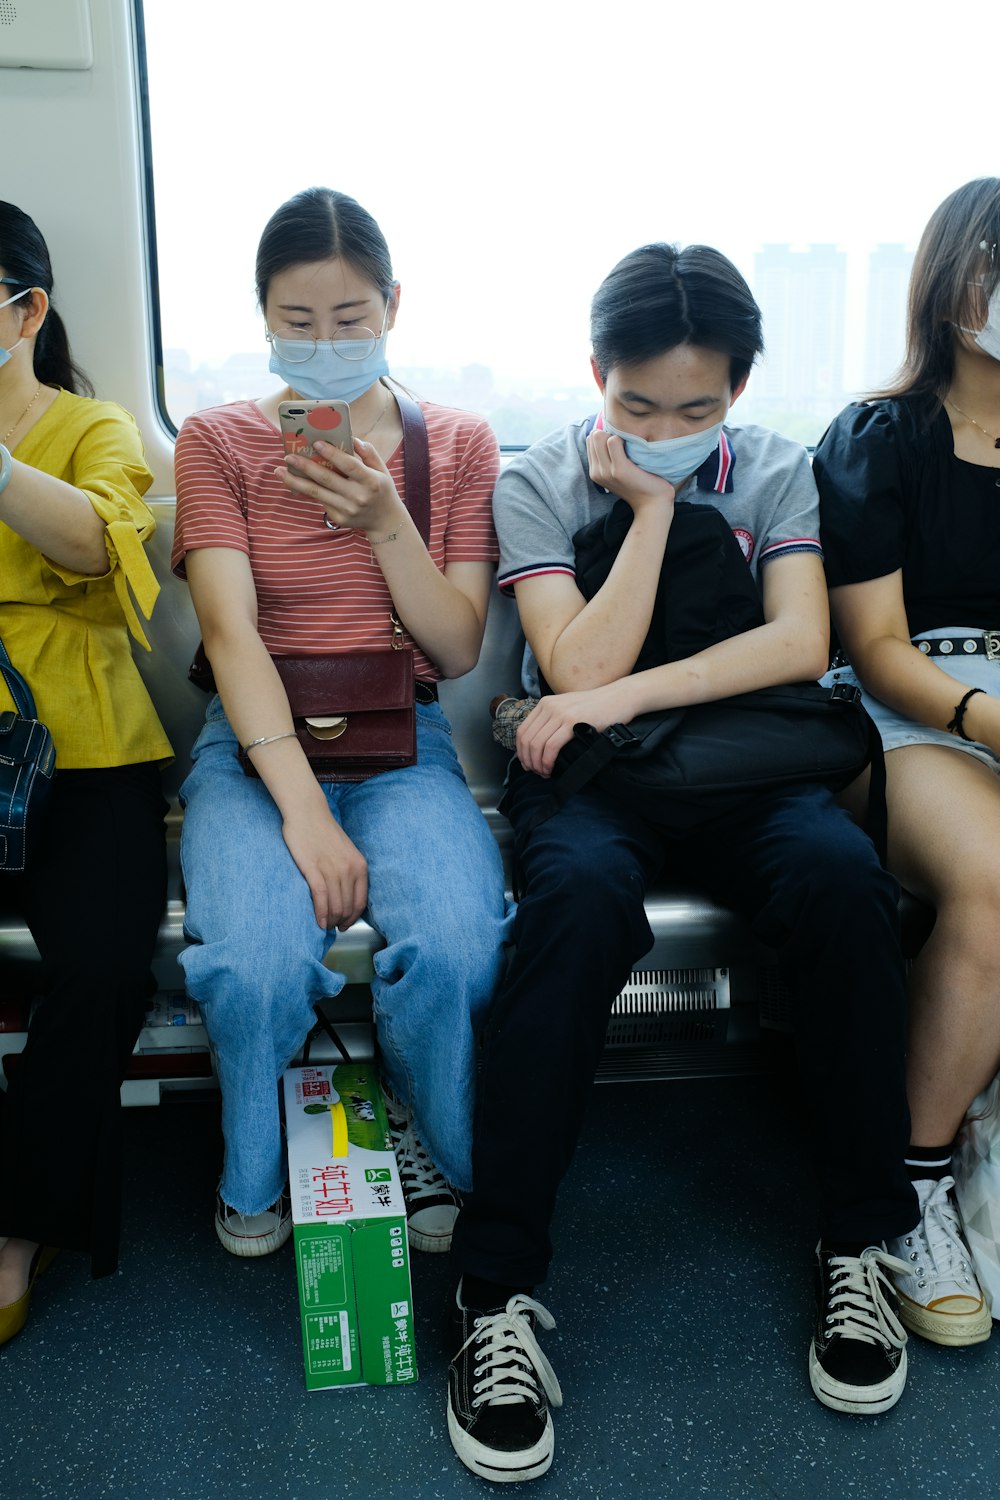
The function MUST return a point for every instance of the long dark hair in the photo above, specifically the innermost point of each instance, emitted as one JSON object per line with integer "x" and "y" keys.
{"x": 659, "y": 297}
{"x": 319, "y": 224}
{"x": 959, "y": 248}
{"x": 24, "y": 256}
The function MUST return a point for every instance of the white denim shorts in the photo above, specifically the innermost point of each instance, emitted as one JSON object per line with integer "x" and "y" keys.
{"x": 897, "y": 730}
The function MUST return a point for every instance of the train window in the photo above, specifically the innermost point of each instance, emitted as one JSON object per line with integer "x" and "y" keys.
{"x": 513, "y": 154}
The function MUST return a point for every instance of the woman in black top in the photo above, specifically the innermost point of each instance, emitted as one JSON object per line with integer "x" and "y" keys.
{"x": 910, "y": 515}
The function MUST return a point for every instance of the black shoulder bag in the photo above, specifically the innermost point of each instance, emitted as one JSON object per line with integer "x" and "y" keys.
{"x": 683, "y": 766}
{"x": 27, "y": 766}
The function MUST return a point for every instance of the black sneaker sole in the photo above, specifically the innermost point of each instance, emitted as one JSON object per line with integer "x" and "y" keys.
{"x": 496, "y": 1465}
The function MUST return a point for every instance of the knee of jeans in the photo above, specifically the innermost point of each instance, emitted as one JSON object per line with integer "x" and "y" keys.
{"x": 452, "y": 968}
{"x": 474, "y": 974}
{"x": 256, "y": 985}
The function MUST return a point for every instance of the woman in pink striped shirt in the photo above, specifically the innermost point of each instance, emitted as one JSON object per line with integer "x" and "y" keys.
{"x": 291, "y": 556}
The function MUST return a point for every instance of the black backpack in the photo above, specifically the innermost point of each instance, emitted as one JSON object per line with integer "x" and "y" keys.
{"x": 681, "y": 767}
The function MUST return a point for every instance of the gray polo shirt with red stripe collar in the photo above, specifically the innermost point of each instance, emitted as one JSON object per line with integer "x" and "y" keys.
{"x": 761, "y": 481}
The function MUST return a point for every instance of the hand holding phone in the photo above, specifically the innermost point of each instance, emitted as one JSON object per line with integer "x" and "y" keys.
{"x": 304, "y": 423}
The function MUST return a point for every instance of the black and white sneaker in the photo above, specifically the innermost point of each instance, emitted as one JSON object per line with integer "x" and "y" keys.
{"x": 857, "y": 1360}
{"x": 431, "y": 1203}
{"x": 500, "y": 1386}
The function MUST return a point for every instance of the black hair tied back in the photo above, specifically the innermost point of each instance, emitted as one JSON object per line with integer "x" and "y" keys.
{"x": 24, "y": 256}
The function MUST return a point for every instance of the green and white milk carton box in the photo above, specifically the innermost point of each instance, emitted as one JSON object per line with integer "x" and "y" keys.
{"x": 350, "y": 1230}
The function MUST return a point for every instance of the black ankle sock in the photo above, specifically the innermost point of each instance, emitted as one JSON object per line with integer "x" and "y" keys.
{"x": 928, "y": 1161}
{"x": 848, "y": 1248}
{"x": 484, "y": 1296}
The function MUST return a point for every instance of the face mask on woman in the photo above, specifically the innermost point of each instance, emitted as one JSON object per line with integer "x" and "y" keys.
{"x": 988, "y": 337}
{"x": 5, "y": 354}
{"x": 327, "y": 375}
{"x": 672, "y": 459}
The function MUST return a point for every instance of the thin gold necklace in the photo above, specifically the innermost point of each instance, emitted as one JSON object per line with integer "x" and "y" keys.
{"x": 364, "y": 436}
{"x": 38, "y": 392}
{"x": 955, "y": 407}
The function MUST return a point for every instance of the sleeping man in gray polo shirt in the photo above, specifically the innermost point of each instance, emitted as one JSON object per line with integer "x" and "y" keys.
{"x": 675, "y": 334}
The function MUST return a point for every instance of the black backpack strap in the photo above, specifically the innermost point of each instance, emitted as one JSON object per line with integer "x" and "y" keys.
{"x": 599, "y": 750}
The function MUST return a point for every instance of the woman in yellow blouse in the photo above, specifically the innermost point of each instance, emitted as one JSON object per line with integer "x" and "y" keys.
{"x": 72, "y": 571}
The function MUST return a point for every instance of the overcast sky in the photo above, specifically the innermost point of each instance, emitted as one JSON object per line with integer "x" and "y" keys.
{"x": 513, "y": 153}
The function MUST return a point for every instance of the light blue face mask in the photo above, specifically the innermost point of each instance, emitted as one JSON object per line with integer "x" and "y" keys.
{"x": 327, "y": 375}
{"x": 5, "y": 354}
{"x": 672, "y": 459}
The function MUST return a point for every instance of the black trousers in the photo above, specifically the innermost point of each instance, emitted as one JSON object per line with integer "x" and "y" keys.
{"x": 811, "y": 884}
{"x": 93, "y": 898}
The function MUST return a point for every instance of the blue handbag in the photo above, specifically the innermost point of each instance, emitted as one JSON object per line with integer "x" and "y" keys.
{"x": 27, "y": 766}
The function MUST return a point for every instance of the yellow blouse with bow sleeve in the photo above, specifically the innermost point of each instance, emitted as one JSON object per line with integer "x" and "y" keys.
{"x": 67, "y": 633}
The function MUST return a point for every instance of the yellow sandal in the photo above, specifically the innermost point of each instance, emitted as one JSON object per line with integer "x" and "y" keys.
{"x": 15, "y": 1314}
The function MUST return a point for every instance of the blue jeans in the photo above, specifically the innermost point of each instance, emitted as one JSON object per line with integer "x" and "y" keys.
{"x": 435, "y": 892}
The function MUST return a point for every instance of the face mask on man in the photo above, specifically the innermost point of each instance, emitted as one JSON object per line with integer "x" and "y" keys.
{"x": 5, "y": 354}
{"x": 672, "y": 459}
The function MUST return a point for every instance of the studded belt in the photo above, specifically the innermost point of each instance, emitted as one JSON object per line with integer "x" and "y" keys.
{"x": 987, "y": 644}
{"x": 427, "y": 692}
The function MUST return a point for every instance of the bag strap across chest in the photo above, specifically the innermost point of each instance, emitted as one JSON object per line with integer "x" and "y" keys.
{"x": 416, "y": 464}
{"x": 416, "y": 497}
